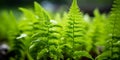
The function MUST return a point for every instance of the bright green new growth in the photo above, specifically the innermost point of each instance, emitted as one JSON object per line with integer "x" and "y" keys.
{"x": 115, "y": 32}
{"x": 112, "y": 50}
{"x": 114, "y": 19}
{"x": 75, "y": 32}
{"x": 35, "y": 36}
{"x": 45, "y": 45}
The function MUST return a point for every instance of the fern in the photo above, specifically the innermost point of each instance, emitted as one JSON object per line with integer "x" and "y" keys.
{"x": 97, "y": 33}
{"x": 37, "y": 35}
{"x": 42, "y": 33}
{"x": 75, "y": 30}
{"x": 114, "y": 33}
{"x": 114, "y": 20}
{"x": 20, "y": 49}
{"x": 7, "y": 27}
{"x": 48, "y": 36}
{"x": 20, "y": 44}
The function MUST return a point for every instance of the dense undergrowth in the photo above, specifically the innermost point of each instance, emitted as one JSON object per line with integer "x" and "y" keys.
{"x": 68, "y": 36}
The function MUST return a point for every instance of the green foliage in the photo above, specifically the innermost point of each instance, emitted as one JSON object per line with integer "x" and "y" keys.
{"x": 8, "y": 26}
{"x": 75, "y": 31}
{"x": 68, "y": 36}
{"x": 112, "y": 50}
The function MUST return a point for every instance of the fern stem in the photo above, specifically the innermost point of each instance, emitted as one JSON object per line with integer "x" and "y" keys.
{"x": 113, "y": 31}
{"x": 48, "y": 36}
{"x": 113, "y": 37}
{"x": 73, "y": 37}
{"x": 74, "y": 3}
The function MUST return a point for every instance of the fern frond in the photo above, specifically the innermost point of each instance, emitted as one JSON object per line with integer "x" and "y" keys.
{"x": 114, "y": 34}
{"x": 75, "y": 20}
{"x": 75, "y": 31}
{"x": 48, "y": 34}
{"x": 28, "y": 14}
{"x": 79, "y": 54}
{"x": 115, "y": 29}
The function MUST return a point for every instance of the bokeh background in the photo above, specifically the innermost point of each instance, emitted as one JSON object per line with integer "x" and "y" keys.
{"x": 87, "y": 6}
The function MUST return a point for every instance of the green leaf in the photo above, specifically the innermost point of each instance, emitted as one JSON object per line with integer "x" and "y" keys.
{"x": 29, "y": 15}
{"x": 105, "y": 55}
{"x": 41, "y": 12}
{"x": 42, "y": 53}
{"x": 78, "y": 54}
